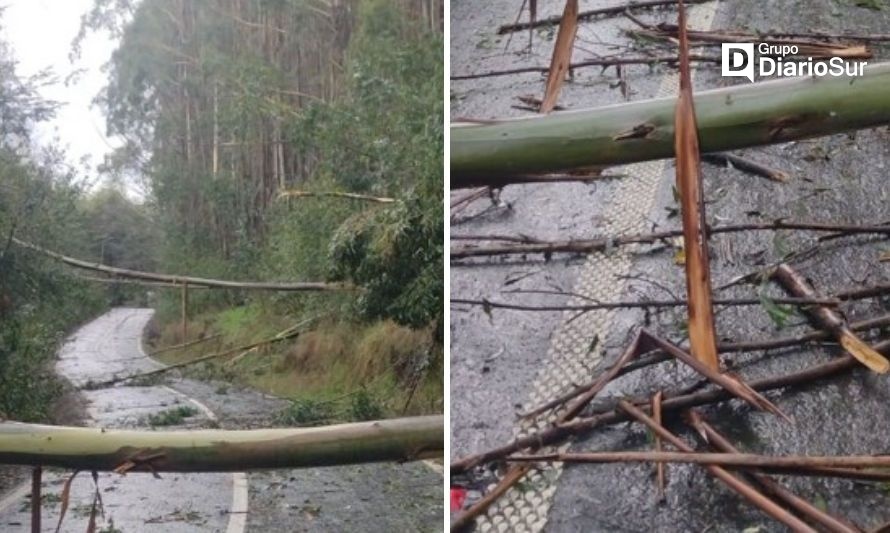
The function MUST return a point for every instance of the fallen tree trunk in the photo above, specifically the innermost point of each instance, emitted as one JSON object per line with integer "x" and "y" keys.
{"x": 730, "y": 118}
{"x": 178, "y": 281}
{"x": 399, "y": 439}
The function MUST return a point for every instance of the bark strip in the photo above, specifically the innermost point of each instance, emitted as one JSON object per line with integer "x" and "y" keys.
{"x": 702, "y": 336}
{"x": 830, "y": 320}
{"x": 562, "y": 55}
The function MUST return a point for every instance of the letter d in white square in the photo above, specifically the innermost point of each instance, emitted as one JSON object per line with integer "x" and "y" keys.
{"x": 738, "y": 60}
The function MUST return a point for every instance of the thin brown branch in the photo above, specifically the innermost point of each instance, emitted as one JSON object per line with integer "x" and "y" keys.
{"x": 645, "y": 304}
{"x": 830, "y": 320}
{"x": 672, "y": 402}
{"x": 863, "y": 37}
{"x": 470, "y": 196}
{"x": 465, "y": 519}
{"x": 659, "y": 466}
{"x": 743, "y": 489}
{"x": 746, "y": 460}
{"x": 659, "y": 356}
{"x": 803, "y": 507}
{"x": 732, "y": 384}
{"x": 593, "y": 13}
{"x": 805, "y": 48}
{"x": 633, "y": 350}
{"x": 36, "y": 498}
{"x": 599, "y": 62}
{"x": 531, "y": 245}
{"x": 746, "y": 165}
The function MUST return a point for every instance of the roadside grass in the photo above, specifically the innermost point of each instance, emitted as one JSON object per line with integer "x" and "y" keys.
{"x": 171, "y": 417}
{"x": 335, "y": 371}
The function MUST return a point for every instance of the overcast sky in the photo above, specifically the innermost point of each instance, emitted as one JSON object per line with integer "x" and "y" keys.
{"x": 41, "y": 33}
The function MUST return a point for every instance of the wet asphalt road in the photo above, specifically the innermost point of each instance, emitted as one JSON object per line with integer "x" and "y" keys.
{"x": 496, "y": 359}
{"x": 376, "y": 497}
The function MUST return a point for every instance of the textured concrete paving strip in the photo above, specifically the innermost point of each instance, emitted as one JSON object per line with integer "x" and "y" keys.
{"x": 840, "y": 178}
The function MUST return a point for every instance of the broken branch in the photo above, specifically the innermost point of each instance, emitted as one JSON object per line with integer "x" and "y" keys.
{"x": 746, "y": 165}
{"x": 805, "y": 508}
{"x": 831, "y": 321}
{"x": 531, "y": 245}
{"x": 743, "y": 489}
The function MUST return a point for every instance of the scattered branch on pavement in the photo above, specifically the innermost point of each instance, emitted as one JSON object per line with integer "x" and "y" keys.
{"x": 831, "y": 321}
{"x": 598, "y": 62}
{"x": 612, "y": 11}
{"x": 531, "y": 245}
{"x": 732, "y": 481}
{"x": 774, "y": 489}
{"x": 746, "y": 165}
{"x": 657, "y": 356}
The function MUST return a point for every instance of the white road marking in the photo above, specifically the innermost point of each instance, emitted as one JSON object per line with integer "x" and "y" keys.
{"x": 238, "y": 511}
{"x": 434, "y": 466}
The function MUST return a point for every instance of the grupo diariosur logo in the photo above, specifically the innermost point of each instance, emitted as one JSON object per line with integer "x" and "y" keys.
{"x": 739, "y": 60}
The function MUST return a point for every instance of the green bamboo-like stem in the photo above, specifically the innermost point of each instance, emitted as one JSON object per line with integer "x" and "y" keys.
{"x": 730, "y": 118}
{"x": 399, "y": 439}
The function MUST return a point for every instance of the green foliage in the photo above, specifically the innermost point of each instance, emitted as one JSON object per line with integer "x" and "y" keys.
{"x": 385, "y": 138}
{"x": 363, "y": 406}
{"x": 396, "y": 255}
{"x": 779, "y": 314}
{"x": 171, "y": 417}
{"x": 39, "y": 201}
{"x": 306, "y": 412}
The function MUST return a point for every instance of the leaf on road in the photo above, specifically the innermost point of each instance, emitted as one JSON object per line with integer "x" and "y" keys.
{"x": 702, "y": 337}
{"x": 562, "y": 55}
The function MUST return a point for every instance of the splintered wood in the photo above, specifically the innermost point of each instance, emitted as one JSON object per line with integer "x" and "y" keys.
{"x": 702, "y": 337}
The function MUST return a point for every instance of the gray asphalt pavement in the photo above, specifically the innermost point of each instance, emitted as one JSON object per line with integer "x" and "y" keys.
{"x": 508, "y": 361}
{"x": 378, "y": 497}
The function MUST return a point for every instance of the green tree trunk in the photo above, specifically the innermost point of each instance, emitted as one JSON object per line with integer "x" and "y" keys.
{"x": 401, "y": 439}
{"x": 730, "y": 118}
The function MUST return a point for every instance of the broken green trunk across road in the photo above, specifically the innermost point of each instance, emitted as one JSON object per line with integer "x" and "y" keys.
{"x": 730, "y": 118}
